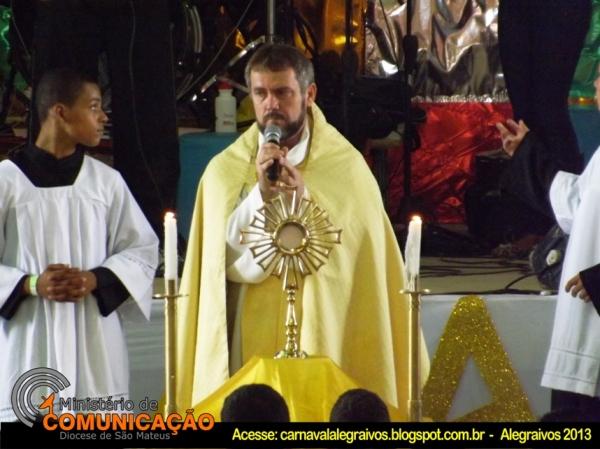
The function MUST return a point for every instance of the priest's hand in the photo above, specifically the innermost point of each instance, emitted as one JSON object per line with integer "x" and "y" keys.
{"x": 576, "y": 288}
{"x": 512, "y": 135}
{"x": 267, "y": 155}
{"x": 291, "y": 179}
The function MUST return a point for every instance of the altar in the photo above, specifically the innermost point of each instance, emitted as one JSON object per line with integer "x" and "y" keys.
{"x": 523, "y": 324}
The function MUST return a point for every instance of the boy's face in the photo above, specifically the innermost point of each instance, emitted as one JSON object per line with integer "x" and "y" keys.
{"x": 84, "y": 120}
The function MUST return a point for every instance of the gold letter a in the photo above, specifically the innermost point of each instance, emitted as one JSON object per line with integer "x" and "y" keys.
{"x": 470, "y": 331}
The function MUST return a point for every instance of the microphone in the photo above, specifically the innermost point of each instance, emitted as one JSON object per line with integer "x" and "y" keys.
{"x": 273, "y": 135}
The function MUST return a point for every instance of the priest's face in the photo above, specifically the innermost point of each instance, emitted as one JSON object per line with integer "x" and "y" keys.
{"x": 278, "y": 99}
{"x": 84, "y": 120}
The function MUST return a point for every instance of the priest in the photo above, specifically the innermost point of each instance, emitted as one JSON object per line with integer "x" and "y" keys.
{"x": 351, "y": 310}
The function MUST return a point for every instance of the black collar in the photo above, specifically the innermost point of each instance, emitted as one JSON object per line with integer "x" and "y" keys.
{"x": 44, "y": 170}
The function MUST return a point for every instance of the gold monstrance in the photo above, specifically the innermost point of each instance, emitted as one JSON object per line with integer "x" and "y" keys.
{"x": 290, "y": 239}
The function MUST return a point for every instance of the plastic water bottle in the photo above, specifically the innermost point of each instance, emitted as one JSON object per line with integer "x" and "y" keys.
{"x": 225, "y": 110}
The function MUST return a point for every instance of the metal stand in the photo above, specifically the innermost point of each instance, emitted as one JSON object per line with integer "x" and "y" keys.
{"x": 170, "y": 298}
{"x": 415, "y": 404}
{"x": 268, "y": 38}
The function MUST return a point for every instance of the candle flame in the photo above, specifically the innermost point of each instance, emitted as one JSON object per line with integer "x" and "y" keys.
{"x": 416, "y": 219}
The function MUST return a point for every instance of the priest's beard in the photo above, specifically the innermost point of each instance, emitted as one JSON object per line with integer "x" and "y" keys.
{"x": 291, "y": 128}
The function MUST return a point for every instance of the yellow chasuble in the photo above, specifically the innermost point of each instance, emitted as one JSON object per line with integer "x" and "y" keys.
{"x": 350, "y": 310}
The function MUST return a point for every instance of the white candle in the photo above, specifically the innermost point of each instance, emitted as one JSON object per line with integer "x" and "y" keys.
{"x": 412, "y": 251}
{"x": 170, "y": 246}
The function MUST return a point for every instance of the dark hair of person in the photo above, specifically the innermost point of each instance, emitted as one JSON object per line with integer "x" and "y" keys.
{"x": 279, "y": 57}
{"x": 62, "y": 85}
{"x": 359, "y": 405}
{"x": 255, "y": 403}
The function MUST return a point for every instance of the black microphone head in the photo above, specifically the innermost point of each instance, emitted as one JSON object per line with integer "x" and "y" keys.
{"x": 272, "y": 133}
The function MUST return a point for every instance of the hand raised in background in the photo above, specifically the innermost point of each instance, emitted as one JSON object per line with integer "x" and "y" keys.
{"x": 512, "y": 135}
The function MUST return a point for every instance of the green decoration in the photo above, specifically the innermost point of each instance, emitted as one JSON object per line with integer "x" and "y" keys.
{"x": 582, "y": 89}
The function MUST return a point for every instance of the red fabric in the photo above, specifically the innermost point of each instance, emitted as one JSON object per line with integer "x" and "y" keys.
{"x": 443, "y": 166}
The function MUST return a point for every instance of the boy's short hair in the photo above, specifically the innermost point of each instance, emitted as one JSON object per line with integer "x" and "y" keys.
{"x": 359, "y": 405}
{"x": 255, "y": 403}
{"x": 62, "y": 85}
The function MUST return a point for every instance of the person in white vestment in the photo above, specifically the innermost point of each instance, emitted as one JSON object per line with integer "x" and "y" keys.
{"x": 76, "y": 253}
{"x": 572, "y": 367}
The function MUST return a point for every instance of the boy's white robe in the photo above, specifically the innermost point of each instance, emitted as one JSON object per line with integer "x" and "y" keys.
{"x": 94, "y": 222}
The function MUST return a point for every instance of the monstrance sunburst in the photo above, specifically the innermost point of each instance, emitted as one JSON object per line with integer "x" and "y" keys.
{"x": 291, "y": 239}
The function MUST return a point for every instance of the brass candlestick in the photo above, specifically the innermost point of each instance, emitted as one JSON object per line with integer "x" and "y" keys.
{"x": 415, "y": 404}
{"x": 170, "y": 298}
{"x": 290, "y": 239}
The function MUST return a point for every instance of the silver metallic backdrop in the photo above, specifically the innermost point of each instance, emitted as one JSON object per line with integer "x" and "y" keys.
{"x": 457, "y": 59}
